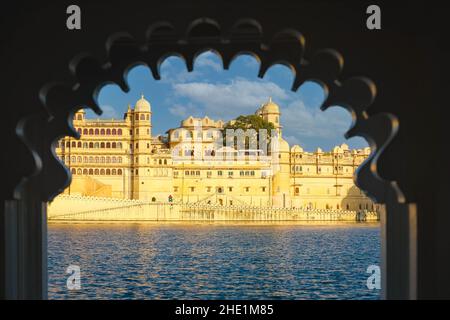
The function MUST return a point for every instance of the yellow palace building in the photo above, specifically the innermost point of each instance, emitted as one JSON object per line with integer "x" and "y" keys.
{"x": 122, "y": 159}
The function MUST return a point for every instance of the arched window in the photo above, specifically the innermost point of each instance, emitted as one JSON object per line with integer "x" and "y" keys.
{"x": 96, "y": 132}
{"x": 119, "y": 172}
{"x": 137, "y": 131}
{"x": 108, "y": 172}
{"x": 119, "y": 159}
{"x": 85, "y": 131}
{"x": 74, "y": 144}
{"x": 74, "y": 159}
{"x": 91, "y": 159}
{"x": 79, "y": 117}
{"x": 102, "y": 145}
{"x": 108, "y": 160}
{"x": 67, "y": 144}
{"x": 79, "y": 171}
{"x": 79, "y": 144}
{"x": 137, "y": 145}
{"x": 113, "y": 132}
{"x": 85, "y": 145}
{"x": 119, "y": 132}
{"x": 79, "y": 159}
{"x": 108, "y": 132}
{"x": 165, "y": 161}
{"x": 79, "y": 131}
{"x": 142, "y": 117}
{"x": 119, "y": 145}
{"x": 108, "y": 145}
{"x": 113, "y": 159}
{"x": 73, "y": 171}
{"x": 160, "y": 161}
{"x": 96, "y": 145}
{"x": 85, "y": 159}
{"x": 91, "y": 145}
{"x": 102, "y": 172}
{"x": 113, "y": 145}
{"x": 113, "y": 172}
{"x": 148, "y": 117}
{"x": 91, "y": 172}
{"x": 96, "y": 159}
{"x": 85, "y": 171}
{"x": 102, "y": 159}
{"x": 91, "y": 131}
{"x": 96, "y": 172}
{"x": 102, "y": 132}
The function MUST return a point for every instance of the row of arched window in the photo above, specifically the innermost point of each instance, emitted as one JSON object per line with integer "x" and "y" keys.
{"x": 100, "y": 132}
{"x": 91, "y": 159}
{"x": 140, "y": 117}
{"x": 101, "y": 172}
{"x": 90, "y": 145}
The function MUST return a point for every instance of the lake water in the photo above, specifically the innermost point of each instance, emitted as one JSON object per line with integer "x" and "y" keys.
{"x": 204, "y": 261}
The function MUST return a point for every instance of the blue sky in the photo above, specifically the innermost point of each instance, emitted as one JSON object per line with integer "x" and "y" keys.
{"x": 225, "y": 94}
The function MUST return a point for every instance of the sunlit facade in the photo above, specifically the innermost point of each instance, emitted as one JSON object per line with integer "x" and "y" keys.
{"x": 122, "y": 159}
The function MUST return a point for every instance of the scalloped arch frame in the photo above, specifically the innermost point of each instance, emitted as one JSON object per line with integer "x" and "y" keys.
{"x": 246, "y": 36}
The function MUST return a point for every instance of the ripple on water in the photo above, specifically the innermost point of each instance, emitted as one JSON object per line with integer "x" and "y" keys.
{"x": 214, "y": 261}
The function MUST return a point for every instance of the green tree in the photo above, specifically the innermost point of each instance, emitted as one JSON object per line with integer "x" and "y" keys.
{"x": 246, "y": 122}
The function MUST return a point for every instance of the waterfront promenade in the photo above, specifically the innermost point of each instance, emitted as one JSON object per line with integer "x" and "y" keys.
{"x": 71, "y": 208}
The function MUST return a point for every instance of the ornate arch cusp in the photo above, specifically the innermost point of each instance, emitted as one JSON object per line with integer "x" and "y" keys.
{"x": 246, "y": 36}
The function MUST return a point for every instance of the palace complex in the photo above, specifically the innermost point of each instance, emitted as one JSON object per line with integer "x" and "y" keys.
{"x": 122, "y": 159}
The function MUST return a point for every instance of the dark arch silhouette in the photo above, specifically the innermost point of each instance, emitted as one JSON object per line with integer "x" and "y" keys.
{"x": 398, "y": 62}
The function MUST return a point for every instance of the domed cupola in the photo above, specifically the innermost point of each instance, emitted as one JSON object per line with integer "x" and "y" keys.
{"x": 270, "y": 112}
{"x": 142, "y": 105}
{"x": 270, "y": 107}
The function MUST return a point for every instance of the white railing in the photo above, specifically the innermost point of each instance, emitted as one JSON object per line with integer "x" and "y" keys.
{"x": 79, "y": 208}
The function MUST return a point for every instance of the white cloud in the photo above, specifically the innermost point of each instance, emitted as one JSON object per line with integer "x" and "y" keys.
{"x": 208, "y": 60}
{"x": 173, "y": 69}
{"x": 178, "y": 110}
{"x": 312, "y": 122}
{"x": 183, "y": 110}
{"x": 292, "y": 140}
{"x": 228, "y": 100}
{"x": 109, "y": 112}
{"x": 306, "y": 123}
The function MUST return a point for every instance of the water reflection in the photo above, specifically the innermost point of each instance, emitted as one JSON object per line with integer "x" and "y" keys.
{"x": 200, "y": 261}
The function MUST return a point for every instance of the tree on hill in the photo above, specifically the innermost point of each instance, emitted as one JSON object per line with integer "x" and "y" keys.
{"x": 246, "y": 122}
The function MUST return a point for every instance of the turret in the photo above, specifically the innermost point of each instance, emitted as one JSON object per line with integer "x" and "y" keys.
{"x": 141, "y": 147}
{"x": 270, "y": 112}
{"x": 280, "y": 153}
